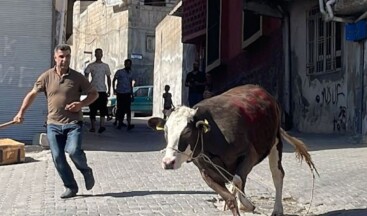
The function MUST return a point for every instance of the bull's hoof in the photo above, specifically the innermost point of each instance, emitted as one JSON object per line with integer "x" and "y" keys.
{"x": 245, "y": 204}
{"x": 233, "y": 207}
{"x": 246, "y": 209}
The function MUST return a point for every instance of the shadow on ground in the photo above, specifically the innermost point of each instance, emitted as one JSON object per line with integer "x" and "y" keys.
{"x": 30, "y": 160}
{"x": 317, "y": 142}
{"x": 344, "y": 212}
{"x": 143, "y": 138}
{"x": 146, "y": 193}
{"x": 140, "y": 139}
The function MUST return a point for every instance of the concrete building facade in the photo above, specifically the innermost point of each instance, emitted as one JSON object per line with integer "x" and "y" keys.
{"x": 125, "y": 30}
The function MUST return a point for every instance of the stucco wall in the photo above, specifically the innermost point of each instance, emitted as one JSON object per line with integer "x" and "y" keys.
{"x": 120, "y": 32}
{"x": 329, "y": 103}
{"x": 173, "y": 60}
{"x": 99, "y": 27}
{"x": 143, "y": 21}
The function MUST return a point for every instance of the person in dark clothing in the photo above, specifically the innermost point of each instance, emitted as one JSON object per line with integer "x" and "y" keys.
{"x": 167, "y": 102}
{"x": 196, "y": 81}
{"x": 124, "y": 93}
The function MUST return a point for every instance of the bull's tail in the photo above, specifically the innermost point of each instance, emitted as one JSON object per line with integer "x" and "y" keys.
{"x": 301, "y": 150}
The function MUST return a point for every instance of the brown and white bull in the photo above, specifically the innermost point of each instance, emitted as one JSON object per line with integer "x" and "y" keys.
{"x": 226, "y": 136}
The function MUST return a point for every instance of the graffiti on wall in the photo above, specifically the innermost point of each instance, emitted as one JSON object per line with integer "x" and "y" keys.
{"x": 341, "y": 119}
{"x": 332, "y": 95}
{"x": 11, "y": 73}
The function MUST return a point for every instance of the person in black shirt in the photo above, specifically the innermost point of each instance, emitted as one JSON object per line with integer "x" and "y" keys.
{"x": 196, "y": 81}
{"x": 167, "y": 102}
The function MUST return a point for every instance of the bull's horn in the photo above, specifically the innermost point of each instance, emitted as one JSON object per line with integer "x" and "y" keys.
{"x": 203, "y": 123}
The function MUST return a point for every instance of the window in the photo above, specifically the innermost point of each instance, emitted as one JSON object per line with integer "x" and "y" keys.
{"x": 324, "y": 44}
{"x": 142, "y": 92}
{"x": 251, "y": 27}
{"x": 213, "y": 34}
{"x": 155, "y": 2}
{"x": 150, "y": 43}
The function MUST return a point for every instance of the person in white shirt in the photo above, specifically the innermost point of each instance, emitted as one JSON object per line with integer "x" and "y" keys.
{"x": 99, "y": 72}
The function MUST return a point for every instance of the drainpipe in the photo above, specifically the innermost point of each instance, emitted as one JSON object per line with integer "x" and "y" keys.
{"x": 288, "y": 76}
{"x": 362, "y": 66}
{"x": 329, "y": 9}
{"x": 62, "y": 21}
{"x": 364, "y": 15}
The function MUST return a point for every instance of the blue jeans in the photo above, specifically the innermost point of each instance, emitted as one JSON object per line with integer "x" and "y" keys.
{"x": 67, "y": 138}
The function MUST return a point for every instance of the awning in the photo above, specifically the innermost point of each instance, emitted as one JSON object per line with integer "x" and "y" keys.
{"x": 271, "y": 8}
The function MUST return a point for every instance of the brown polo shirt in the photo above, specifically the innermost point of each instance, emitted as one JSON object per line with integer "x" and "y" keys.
{"x": 61, "y": 91}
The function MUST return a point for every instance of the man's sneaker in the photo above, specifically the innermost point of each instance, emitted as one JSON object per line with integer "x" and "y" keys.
{"x": 92, "y": 130}
{"x": 68, "y": 193}
{"x": 101, "y": 129}
{"x": 89, "y": 179}
{"x": 129, "y": 127}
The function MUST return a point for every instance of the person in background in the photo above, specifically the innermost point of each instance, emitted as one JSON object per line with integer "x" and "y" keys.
{"x": 100, "y": 71}
{"x": 124, "y": 93}
{"x": 167, "y": 102}
{"x": 195, "y": 80}
{"x": 63, "y": 87}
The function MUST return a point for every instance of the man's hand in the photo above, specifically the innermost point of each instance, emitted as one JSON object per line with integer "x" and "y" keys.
{"x": 74, "y": 107}
{"x": 18, "y": 119}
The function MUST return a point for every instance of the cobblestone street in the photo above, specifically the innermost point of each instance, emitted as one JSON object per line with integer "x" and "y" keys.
{"x": 130, "y": 180}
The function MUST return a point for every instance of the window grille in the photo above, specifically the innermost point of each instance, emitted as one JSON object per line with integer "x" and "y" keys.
{"x": 324, "y": 44}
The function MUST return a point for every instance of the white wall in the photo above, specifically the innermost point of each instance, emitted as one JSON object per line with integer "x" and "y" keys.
{"x": 173, "y": 60}
{"x": 318, "y": 102}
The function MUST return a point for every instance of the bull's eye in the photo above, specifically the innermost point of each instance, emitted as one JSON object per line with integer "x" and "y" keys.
{"x": 185, "y": 139}
{"x": 182, "y": 146}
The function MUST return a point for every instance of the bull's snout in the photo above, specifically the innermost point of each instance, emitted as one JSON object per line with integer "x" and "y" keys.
{"x": 168, "y": 163}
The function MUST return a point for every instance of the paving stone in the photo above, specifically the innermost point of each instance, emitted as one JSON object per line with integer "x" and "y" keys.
{"x": 130, "y": 180}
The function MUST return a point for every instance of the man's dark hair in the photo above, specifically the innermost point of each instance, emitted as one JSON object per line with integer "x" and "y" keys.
{"x": 62, "y": 47}
{"x": 127, "y": 60}
{"x": 98, "y": 49}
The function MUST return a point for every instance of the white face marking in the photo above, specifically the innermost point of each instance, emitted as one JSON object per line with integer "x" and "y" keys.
{"x": 175, "y": 124}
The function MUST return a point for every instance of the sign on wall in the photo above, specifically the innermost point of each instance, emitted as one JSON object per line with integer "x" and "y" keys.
{"x": 113, "y": 2}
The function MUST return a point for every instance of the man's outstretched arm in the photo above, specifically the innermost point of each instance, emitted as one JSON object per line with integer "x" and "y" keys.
{"x": 27, "y": 101}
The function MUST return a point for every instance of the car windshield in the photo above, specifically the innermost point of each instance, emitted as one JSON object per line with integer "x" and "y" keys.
{"x": 141, "y": 92}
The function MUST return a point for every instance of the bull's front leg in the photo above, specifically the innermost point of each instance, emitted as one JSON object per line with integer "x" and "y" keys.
{"x": 221, "y": 189}
{"x": 243, "y": 203}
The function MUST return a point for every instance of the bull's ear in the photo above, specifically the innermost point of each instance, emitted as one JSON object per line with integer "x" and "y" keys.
{"x": 156, "y": 123}
{"x": 193, "y": 111}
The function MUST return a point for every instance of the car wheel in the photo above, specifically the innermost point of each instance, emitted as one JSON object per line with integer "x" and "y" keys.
{"x": 114, "y": 111}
